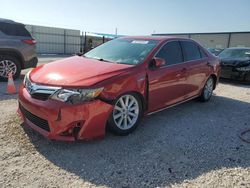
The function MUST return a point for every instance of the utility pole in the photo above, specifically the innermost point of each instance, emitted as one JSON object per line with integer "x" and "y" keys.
{"x": 85, "y": 41}
{"x": 82, "y": 43}
{"x": 116, "y": 31}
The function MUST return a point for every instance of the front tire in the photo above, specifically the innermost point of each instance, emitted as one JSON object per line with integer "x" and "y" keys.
{"x": 207, "y": 91}
{"x": 126, "y": 115}
{"x": 9, "y": 64}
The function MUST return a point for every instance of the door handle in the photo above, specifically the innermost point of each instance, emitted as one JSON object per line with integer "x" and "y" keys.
{"x": 181, "y": 72}
{"x": 209, "y": 64}
{"x": 184, "y": 70}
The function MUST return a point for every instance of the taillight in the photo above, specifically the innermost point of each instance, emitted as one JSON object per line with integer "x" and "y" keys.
{"x": 29, "y": 41}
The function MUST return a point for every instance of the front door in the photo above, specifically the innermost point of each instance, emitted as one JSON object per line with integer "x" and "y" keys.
{"x": 167, "y": 83}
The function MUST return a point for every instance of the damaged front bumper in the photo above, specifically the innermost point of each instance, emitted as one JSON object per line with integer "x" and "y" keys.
{"x": 59, "y": 121}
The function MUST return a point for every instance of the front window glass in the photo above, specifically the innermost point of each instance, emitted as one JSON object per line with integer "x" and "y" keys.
{"x": 125, "y": 51}
{"x": 235, "y": 53}
{"x": 171, "y": 53}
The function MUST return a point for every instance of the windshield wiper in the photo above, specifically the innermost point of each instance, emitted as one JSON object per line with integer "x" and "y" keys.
{"x": 80, "y": 54}
{"x": 105, "y": 60}
{"x": 99, "y": 59}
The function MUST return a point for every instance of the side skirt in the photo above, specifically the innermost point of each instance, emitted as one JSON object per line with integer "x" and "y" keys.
{"x": 150, "y": 113}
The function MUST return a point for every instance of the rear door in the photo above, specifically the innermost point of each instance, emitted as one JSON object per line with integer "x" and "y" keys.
{"x": 197, "y": 67}
{"x": 167, "y": 83}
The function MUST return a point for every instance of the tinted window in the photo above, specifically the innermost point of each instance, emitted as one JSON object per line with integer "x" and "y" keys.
{"x": 14, "y": 29}
{"x": 203, "y": 55}
{"x": 171, "y": 52}
{"x": 191, "y": 50}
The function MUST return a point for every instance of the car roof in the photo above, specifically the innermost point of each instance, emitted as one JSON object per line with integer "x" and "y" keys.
{"x": 159, "y": 38}
{"x": 215, "y": 48}
{"x": 3, "y": 20}
{"x": 239, "y": 48}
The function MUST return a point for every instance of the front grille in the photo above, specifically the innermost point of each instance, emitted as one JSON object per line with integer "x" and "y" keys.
{"x": 37, "y": 91}
{"x": 34, "y": 119}
{"x": 40, "y": 96}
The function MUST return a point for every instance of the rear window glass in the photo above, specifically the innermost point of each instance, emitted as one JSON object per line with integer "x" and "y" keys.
{"x": 203, "y": 55}
{"x": 191, "y": 50}
{"x": 14, "y": 29}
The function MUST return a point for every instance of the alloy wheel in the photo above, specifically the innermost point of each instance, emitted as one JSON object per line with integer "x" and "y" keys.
{"x": 7, "y": 66}
{"x": 126, "y": 112}
{"x": 208, "y": 90}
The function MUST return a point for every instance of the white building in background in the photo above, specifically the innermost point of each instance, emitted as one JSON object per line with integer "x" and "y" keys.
{"x": 217, "y": 40}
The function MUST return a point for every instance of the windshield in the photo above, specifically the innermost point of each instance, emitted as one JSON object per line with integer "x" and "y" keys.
{"x": 125, "y": 51}
{"x": 235, "y": 53}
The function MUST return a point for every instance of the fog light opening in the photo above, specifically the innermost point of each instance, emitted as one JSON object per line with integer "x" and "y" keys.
{"x": 76, "y": 129}
{"x": 73, "y": 130}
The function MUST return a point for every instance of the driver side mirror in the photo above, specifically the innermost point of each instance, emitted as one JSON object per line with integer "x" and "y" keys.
{"x": 157, "y": 62}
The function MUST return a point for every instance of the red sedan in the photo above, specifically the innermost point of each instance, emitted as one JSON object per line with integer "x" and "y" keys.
{"x": 114, "y": 85}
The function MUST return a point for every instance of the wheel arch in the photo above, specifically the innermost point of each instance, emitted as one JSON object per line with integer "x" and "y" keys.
{"x": 143, "y": 100}
{"x": 214, "y": 79}
{"x": 15, "y": 53}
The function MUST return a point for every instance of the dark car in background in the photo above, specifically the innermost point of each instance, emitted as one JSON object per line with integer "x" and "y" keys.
{"x": 17, "y": 49}
{"x": 235, "y": 63}
{"x": 214, "y": 51}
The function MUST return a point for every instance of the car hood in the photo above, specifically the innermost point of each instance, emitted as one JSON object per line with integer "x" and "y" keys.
{"x": 235, "y": 62}
{"x": 76, "y": 71}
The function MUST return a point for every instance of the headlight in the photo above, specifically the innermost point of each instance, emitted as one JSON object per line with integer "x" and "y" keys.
{"x": 75, "y": 96}
{"x": 247, "y": 68}
{"x": 26, "y": 80}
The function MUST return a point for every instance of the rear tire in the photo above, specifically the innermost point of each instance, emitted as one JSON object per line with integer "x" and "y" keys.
{"x": 207, "y": 91}
{"x": 126, "y": 115}
{"x": 9, "y": 63}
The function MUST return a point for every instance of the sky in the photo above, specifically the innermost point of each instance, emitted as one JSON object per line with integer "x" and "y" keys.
{"x": 132, "y": 17}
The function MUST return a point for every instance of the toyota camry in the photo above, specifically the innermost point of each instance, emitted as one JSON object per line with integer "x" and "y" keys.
{"x": 114, "y": 85}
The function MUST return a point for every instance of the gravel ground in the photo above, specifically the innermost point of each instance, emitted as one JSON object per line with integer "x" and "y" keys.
{"x": 191, "y": 145}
